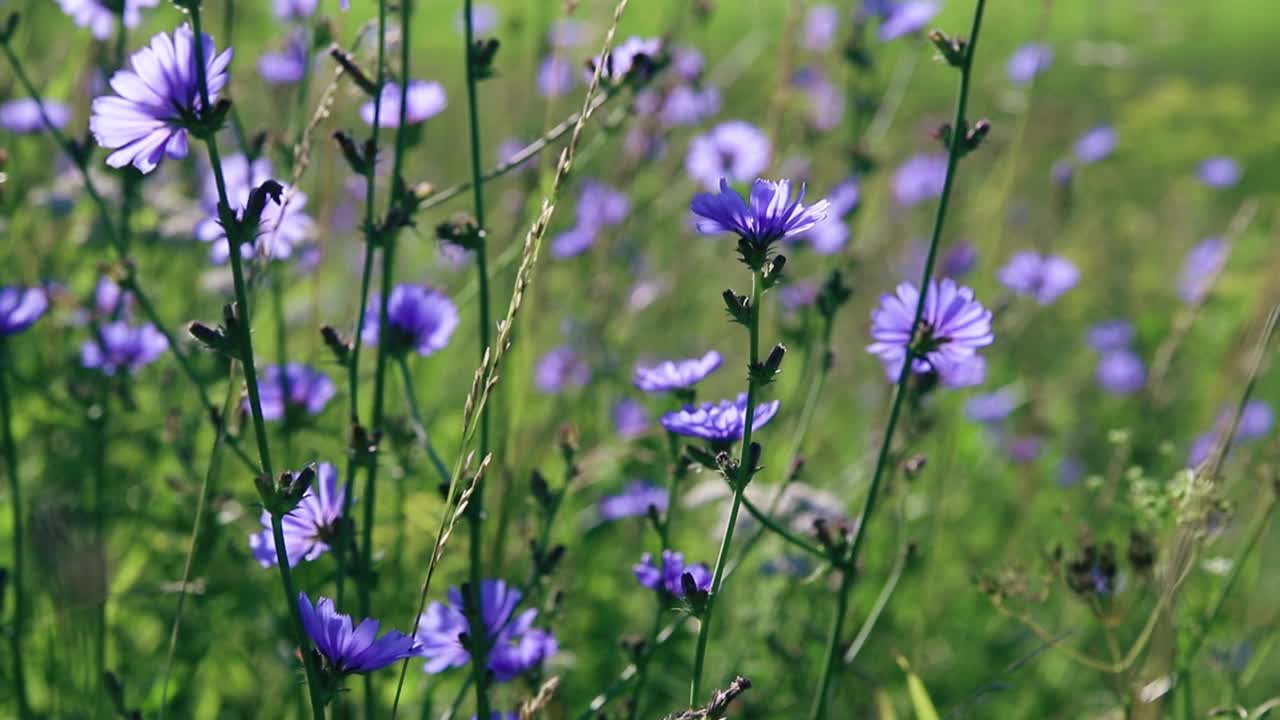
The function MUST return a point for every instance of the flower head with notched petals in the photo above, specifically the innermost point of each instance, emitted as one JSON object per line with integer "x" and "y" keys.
{"x": 1043, "y": 277}
{"x": 309, "y": 526}
{"x": 671, "y": 375}
{"x": 424, "y": 100}
{"x": 157, "y": 100}
{"x": 768, "y": 215}
{"x": 20, "y": 308}
{"x": 347, "y": 650}
{"x": 721, "y": 422}
{"x": 119, "y": 346}
{"x": 283, "y": 228}
{"x": 421, "y": 319}
{"x": 309, "y": 390}
{"x": 669, "y": 578}
{"x": 101, "y": 17}
{"x": 515, "y": 646}
{"x": 952, "y": 328}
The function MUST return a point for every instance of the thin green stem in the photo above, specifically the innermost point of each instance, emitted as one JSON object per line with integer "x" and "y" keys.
{"x": 959, "y": 122}
{"x": 416, "y": 413}
{"x": 99, "y": 471}
{"x": 642, "y": 664}
{"x": 475, "y": 511}
{"x": 234, "y": 239}
{"x": 215, "y": 463}
{"x": 744, "y": 475}
{"x": 19, "y": 624}
{"x": 777, "y": 529}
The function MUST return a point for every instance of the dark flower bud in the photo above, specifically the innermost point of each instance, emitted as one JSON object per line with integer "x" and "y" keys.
{"x": 294, "y": 485}
{"x": 268, "y": 190}
{"x": 463, "y": 231}
{"x": 654, "y": 517}
{"x": 340, "y": 348}
{"x": 481, "y": 57}
{"x": 834, "y": 293}
{"x": 739, "y": 307}
{"x": 774, "y": 362}
{"x": 693, "y": 595}
{"x": 552, "y": 559}
{"x": 213, "y": 339}
{"x": 949, "y": 48}
{"x": 349, "y": 65}
{"x": 115, "y": 691}
{"x": 362, "y": 444}
{"x": 701, "y": 456}
{"x": 1142, "y": 552}
{"x": 355, "y": 156}
{"x": 753, "y": 460}
{"x": 540, "y": 490}
{"x": 10, "y": 26}
{"x": 231, "y": 319}
{"x": 213, "y": 120}
{"x": 773, "y": 271}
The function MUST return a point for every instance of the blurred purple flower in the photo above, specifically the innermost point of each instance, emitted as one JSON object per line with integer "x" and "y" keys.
{"x": 515, "y": 645}
{"x": 820, "y": 26}
{"x": 688, "y": 105}
{"x": 110, "y": 300}
{"x": 1024, "y": 448}
{"x": 735, "y": 150}
{"x": 1200, "y": 269}
{"x": 688, "y": 63}
{"x": 484, "y": 20}
{"x": 1121, "y": 372}
{"x": 20, "y": 308}
{"x": 1111, "y": 335}
{"x": 721, "y": 422}
{"x": 669, "y": 375}
{"x": 22, "y": 116}
{"x": 309, "y": 527}
{"x": 100, "y": 17}
{"x": 283, "y": 228}
{"x": 555, "y": 76}
{"x": 121, "y": 347}
{"x": 574, "y": 241}
{"x": 148, "y": 119}
{"x": 1062, "y": 172}
{"x": 309, "y": 391}
{"x": 797, "y": 294}
{"x": 1096, "y": 144}
{"x": 1219, "y": 172}
{"x": 426, "y": 100}
{"x": 1044, "y": 277}
{"x": 288, "y": 66}
{"x": 1028, "y": 61}
{"x": 565, "y": 33}
{"x": 631, "y": 55}
{"x": 630, "y": 418}
{"x": 421, "y": 318}
{"x": 920, "y": 178}
{"x": 826, "y": 101}
{"x": 904, "y": 18}
{"x": 771, "y": 214}
{"x": 954, "y": 325}
{"x": 992, "y": 407}
{"x": 1070, "y": 471}
{"x": 600, "y": 205}
{"x": 966, "y": 373}
{"x": 294, "y": 9}
{"x": 634, "y": 501}
{"x": 1256, "y": 421}
{"x": 668, "y": 579}
{"x": 559, "y": 369}
{"x": 348, "y": 651}
{"x": 958, "y": 260}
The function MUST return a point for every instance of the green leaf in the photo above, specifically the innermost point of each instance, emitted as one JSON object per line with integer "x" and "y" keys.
{"x": 920, "y": 700}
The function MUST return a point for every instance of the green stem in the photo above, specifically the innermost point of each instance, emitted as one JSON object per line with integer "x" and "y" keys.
{"x": 744, "y": 474}
{"x": 19, "y": 624}
{"x": 98, "y": 473}
{"x": 234, "y": 240}
{"x": 831, "y": 661}
{"x": 642, "y": 663}
{"x": 416, "y": 413}
{"x": 781, "y": 531}
{"x": 475, "y": 511}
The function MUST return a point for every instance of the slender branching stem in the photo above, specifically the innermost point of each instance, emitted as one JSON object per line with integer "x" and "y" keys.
{"x": 478, "y": 635}
{"x": 744, "y": 475}
{"x": 19, "y": 625}
{"x": 416, "y": 413}
{"x": 831, "y": 661}
{"x": 231, "y": 226}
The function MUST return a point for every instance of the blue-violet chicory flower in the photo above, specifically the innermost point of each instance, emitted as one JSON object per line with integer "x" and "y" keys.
{"x": 347, "y": 650}
{"x": 670, "y": 375}
{"x": 20, "y": 308}
{"x": 820, "y": 25}
{"x": 119, "y": 346}
{"x": 669, "y": 578}
{"x": 719, "y": 422}
{"x": 768, "y": 215}
{"x": 1219, "y": 172}
{"x": 1028, "y": 61}
{"x": 1110, "y": 335}
{"x": 515, "y": 646}
{"x": 1121, "y": 372}
{"x": 954, "y": 326}
{"x": 634, "y": 501}
{"x": 904, "y": 18}
{"x": 425, "y": 100}
{"x": 101, "y": 16}
{"x": 630, "y": 418}
{"x": 309, "y": 391}
{"x": 1044, "y": 277}
{"x": 992, "y": 407}
{"x": 288, "y": 66}
{"x": 1096, "y": 144}
{"x": 918, "y": 179}
{"x": 422, "y": 319}
{"x": 1200, "y": 269}
{"x": 309, "y": 527}
{"x": 23, "y": 116}
{"x": 156, "y": 100}
{"x": 736, "y": 150}
{"x": 559, "y": 369}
